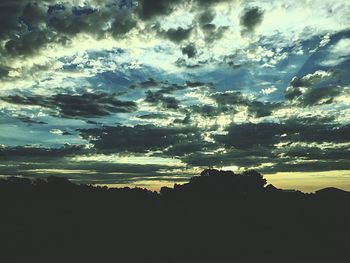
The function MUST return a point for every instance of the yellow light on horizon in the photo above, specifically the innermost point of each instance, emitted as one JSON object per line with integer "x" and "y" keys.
{"x": 310, "y": 181}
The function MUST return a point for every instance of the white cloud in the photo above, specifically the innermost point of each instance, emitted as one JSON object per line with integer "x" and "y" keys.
{"x": 325, "y": 40}
{"x": 56, "y": 131}
{"x": 317, "y": 76}
{"x": 268, "y": 91}
{"x": 338, "y": 53}
{"x": 129, "y": 159}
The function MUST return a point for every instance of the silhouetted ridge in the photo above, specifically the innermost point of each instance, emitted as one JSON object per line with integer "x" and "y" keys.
{"x": 331, "y": 192}
{"x": 219, "y": 216}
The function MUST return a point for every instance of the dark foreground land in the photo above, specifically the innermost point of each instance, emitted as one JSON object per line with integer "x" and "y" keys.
{"x": 216, "y": 217}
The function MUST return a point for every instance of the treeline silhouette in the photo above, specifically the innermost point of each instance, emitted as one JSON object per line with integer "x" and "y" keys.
{"x": 218, "y": 216}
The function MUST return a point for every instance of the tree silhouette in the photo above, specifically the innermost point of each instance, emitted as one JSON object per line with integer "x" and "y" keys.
{"x": 226, "y": 182}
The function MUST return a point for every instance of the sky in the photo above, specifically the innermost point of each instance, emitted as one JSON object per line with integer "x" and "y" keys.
{"x": 150, "y": 92}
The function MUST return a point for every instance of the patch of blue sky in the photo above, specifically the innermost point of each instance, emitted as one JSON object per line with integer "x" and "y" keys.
{"x": 229, "y": 79}
{"x": 115, "y": 70}
{"x": 312, "y": 63}
{"x": 18, "y": 111}
{"x": 117, "y": 119}
{"x": 37, "y": 135}
{"x": 5, "y": 119}
{"x": 343, "y": 72}
{"x": 104, "y": 54}
{"x": 110, "y": 80}
{"x": 315, "y": 60}
{"x": 120, "y": 80}
{"x": 252, "y": 77}
{"x": 55, "y": 84}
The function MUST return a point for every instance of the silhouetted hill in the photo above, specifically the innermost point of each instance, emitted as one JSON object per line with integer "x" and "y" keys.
{"x": 332, "y": 192}
{"x": 218, "y": 216}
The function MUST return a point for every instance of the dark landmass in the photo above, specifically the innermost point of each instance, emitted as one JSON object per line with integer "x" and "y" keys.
{"x": 216, "y": 217}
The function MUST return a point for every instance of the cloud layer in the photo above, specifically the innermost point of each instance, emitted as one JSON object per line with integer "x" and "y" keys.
{"x": 94, "y": 86}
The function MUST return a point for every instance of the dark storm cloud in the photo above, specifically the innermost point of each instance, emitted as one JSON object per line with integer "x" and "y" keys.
{"x": 176, "y": 35}
{"x": 315, "y": 89}
{"x": 98, "y": 173}
{"x": 192, "y": 84}
{"x": 4, "y": 71}
{"x": 256, "y": 108}
{"x": 205, "y": 23}
{"x": 208, "y": 110}
{"x": 181, "y": 62}
{"x": 189, "y": 50}
{"x": 159, "y": 95}
{"x": 301, "y": 82}
{"x": 251, "y": 18}
{"x": 232, "y": 61}
{"x": 292, "y": 93}
{"x": 149, "y": 83}
{"x": 313, "y": 96}
{"x": 10, "y": 14}
{"x": 253, "y": 145}
{"x": 30, "y": 42}
{"x": 95, "y": 22}
{"x": 210, "y": 3}
{"x": 29, "y": 120}
{"x": 32, "y": 15}
{"x": 173, "y": 87}
{"x": 153, "y": 116}
{"x": 184, "y": 149}
{"x": 159, "y": 87}
{"x": 227, "y": 102}
{"x": 142, "y": 138}
{"x": 85, "y": 105}
{"x": 320, "y": 96}
{"x": 206, "y": 17}
{"x": 19, "y": 27}
{"x": 309, "y": 166}
{"x": 148, "y": 9}
{"x": 307, "y": 120}
{"x": 260, "y": 109}
{"x": 214, "y": 33}
{"x": 298, "y": 151}
{"x": 42, "y": 162}
{"x": 243, "y": 158}
{"x": 28, "y": 26}
{"x": 249, "y": 135}
{"x": 170, "y": 103}
{"x": 184, "y": 121}
{"x": 157, "y": 98}
{"x": 230, "y": 98}
{"x": 211, "y": 31}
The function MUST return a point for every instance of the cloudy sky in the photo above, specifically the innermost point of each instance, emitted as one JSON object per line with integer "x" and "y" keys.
{"x": 149, "y": 92}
